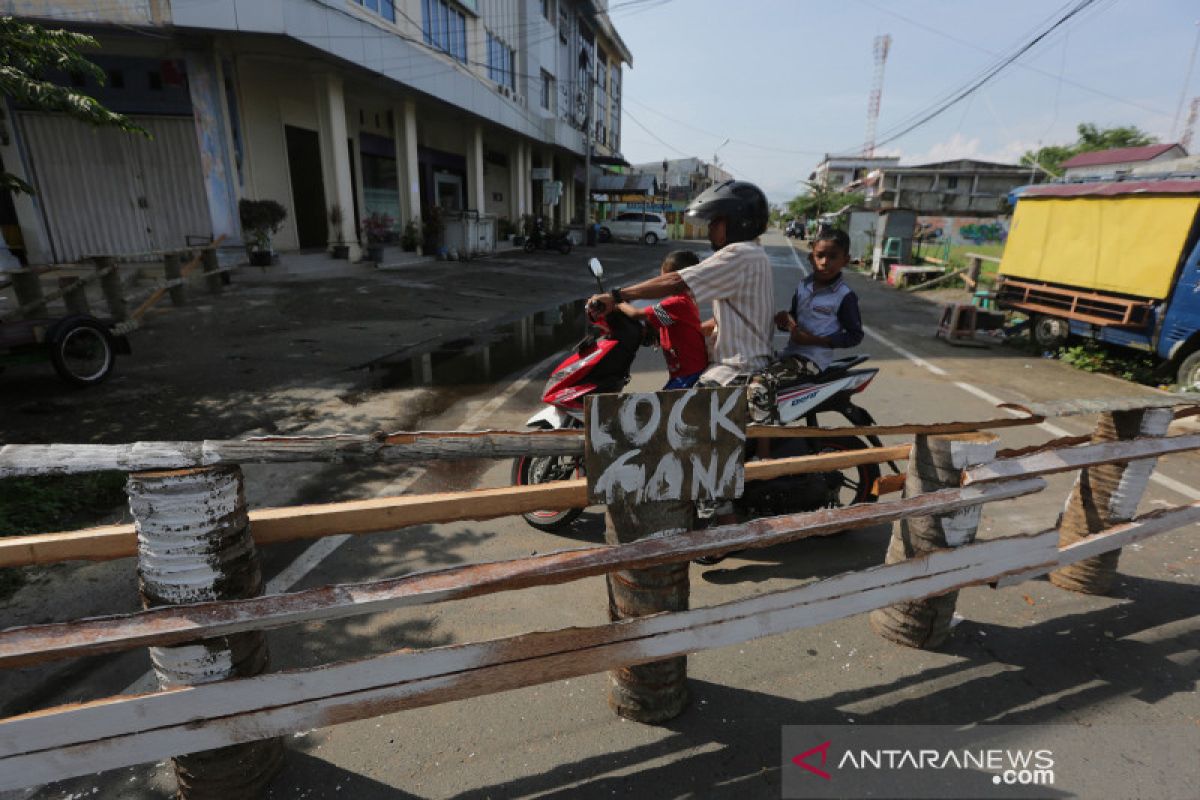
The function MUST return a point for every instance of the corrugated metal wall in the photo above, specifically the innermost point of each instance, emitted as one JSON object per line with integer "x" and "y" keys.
{"x": 106, "y": 192}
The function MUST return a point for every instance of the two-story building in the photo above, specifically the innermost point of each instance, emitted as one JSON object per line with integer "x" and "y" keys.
{"x": 963, "y": 187}
{"x": 371, "y": 106}
{"x": 839, "y": 172}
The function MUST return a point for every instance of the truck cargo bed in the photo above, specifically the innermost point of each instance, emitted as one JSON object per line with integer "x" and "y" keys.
{"x": 1097, "y": 309}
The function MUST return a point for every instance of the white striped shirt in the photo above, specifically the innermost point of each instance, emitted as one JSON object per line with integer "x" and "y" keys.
{"x": 737, "y": 280}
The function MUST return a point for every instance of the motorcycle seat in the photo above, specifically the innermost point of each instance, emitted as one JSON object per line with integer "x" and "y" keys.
{"x": 840, "y": 367}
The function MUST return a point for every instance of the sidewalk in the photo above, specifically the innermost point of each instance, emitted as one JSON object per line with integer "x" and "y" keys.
{"x": 278, "y": 343}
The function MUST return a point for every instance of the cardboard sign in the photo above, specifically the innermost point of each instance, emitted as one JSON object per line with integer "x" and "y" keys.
{"x": 666, "y": 445}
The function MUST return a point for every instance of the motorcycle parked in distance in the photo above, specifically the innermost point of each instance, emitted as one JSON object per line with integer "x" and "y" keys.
{"x": 541, "y": 239}
{"x": 601, "y": 364}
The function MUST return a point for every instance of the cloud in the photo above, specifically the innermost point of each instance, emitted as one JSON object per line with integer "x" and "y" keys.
{"x": 959, "y": 146}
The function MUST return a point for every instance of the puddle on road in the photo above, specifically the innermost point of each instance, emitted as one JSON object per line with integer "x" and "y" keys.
{"x": 486, "y": 356}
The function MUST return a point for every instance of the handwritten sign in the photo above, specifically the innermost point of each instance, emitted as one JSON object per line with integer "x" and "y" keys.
{"x": 666, "y": 446}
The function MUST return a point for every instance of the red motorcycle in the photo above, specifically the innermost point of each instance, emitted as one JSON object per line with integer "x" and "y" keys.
{"x": 597, "y": 364}
{"x": 602, "y": 364}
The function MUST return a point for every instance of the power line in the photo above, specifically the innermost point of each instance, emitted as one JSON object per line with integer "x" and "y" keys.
{"x": 991, "y": 73}
{"x": 1057, "y": 77}
{"x": 654, "y": 135}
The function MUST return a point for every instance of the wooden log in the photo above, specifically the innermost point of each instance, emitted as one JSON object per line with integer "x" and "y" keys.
{"x": 74, "y": 294}
{"x": 214, "y": 278}
{"x": 121, "y": 731}
{"x": 1140, "y": 528}
{"x": 110, "y": 285}
{"x": 1106, "y": 495}
{"x": 380, "y": 514}
{"x": 37, "y": 644}
{"x": 1070, "y": 408}
{"x": 800, "y": 431}
{"x": 27, "y": 285}
{"x": 184, "y": 272}
{"x": 935, "y": 281}
{"x": 1065, "y": 460}
{"x": 974, "y": 270}
{"x": 936, "y": 463}
{"x": 194, "y": 545}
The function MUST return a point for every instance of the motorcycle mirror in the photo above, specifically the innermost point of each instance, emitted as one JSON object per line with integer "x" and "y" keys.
{"x": 597, "y": 272}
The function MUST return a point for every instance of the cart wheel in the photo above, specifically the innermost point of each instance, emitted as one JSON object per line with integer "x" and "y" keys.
{"x": 82, "y": 352}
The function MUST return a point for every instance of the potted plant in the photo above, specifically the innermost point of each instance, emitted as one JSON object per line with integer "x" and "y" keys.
{"x": 340, "y": 249}
{"x": 377, "y": 229}
{"x": 433, "y": 228}
{"x": 504, "y": 229}
{"x": 410, "y": 239}
{"x": 260, "y": 220}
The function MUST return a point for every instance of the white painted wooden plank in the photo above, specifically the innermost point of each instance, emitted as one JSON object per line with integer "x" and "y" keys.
{"x": 29, "y": 645}
{"x": 121, "y": 731}
{"x": 1114, "y": 538}
{"x": 1052, "y": 461}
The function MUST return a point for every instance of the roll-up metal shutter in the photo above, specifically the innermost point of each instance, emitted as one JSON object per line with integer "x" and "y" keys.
{"x": 106, "y": 192}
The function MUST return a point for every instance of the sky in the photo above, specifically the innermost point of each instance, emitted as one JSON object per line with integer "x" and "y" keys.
{"x": 786, "y": 81}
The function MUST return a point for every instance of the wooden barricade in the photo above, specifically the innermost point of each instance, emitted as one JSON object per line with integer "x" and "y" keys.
{"x": 226, "y": 715}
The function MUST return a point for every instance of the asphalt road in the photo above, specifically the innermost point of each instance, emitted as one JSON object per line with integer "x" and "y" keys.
{"x": 1030, "y": 654}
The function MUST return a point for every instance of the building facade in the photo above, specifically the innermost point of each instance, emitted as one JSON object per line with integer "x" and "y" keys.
{"x": 1119, "y": 161}
{"x": 838, "y": 172}
{"x": 964, "y": 187}
{"x": 370, "y": 106}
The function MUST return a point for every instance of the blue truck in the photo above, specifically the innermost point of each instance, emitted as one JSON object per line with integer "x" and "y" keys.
{"x": 1118, "y": 262}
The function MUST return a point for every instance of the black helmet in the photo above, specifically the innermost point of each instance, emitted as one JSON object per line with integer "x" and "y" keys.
{"x": 741, "y": 203}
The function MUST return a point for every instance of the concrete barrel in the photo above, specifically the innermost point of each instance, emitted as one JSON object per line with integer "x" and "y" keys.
{"x": 937, "y": 462}
{"x": 194, "y": 545}
{"x": 657, "y": 691}
{"x": 1106, "y": 495}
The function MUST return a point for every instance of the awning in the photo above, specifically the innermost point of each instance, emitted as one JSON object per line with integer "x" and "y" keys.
{"x": 609, "y": 161}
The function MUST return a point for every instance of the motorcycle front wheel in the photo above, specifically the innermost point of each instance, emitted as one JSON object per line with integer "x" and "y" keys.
{"x": 531, "y": 470}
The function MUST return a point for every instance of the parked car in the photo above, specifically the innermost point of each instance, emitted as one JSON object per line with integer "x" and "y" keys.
{"x": 635, "y": 226}
{"x": 795, "y": 229}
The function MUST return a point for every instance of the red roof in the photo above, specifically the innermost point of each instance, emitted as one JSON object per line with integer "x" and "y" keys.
{"x": 1119, "y": 155}
{"x": 1110, "y": 188}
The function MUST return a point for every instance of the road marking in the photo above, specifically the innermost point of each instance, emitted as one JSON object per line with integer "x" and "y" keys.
{"x": 1162, "y": 480}
{"x": 320, "y": 550}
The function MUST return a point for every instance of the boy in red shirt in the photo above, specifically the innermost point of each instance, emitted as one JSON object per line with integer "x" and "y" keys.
{"x": 677, "y": 320}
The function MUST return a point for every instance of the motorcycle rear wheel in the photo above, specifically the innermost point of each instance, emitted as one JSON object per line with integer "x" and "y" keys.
{"x": 532, "y": 470}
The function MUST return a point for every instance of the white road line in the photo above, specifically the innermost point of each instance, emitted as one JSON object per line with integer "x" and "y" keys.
{"x": 320, "y": 550}
{"x": 1162, "y": 480}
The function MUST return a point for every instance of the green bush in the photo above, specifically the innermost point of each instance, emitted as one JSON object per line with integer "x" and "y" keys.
{"x": 1092, "y": 356}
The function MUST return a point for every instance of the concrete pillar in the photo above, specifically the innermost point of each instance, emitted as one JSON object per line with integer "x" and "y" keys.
{"x": 550, "y": 212}
{"x": 476, "y": 198}
{"x": 206, "y": 85}
{"x": 335, "y": 158}
{"x": 406, "y": 161}
{"x": 29, "y": 218}
{"x": 516, "y": 182}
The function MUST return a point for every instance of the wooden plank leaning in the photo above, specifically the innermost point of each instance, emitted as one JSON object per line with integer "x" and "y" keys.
{"x": 121, "y": 731}
{"x": 1065, "y": 460}
{"x": 40, "y": 643}
{"x": 389, "y": 513}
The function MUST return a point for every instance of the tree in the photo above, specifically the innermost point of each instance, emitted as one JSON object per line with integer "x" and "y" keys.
{"x": 820, "y": 198}
{"x": 1091, "y": 138}
{"x": 27, "y": 53}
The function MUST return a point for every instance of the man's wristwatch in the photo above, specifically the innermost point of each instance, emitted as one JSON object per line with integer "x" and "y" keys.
{"x": 616, "y": 295}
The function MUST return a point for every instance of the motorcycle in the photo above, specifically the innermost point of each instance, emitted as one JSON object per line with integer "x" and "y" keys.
{"x": 601, "y": 364}
{"x": 541, "y": 239}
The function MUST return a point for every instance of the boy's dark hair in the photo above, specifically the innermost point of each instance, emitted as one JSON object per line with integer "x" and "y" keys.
{"x": 835, "y": 235}
{"x": 678, "y": 259}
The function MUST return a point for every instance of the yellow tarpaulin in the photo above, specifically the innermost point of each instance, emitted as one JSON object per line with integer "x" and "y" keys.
{"x": 1129, "y": 245}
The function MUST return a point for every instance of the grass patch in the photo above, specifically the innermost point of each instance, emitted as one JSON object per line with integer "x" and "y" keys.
{"x": 45, "y": 504}
{"x": 1092, "y": 356}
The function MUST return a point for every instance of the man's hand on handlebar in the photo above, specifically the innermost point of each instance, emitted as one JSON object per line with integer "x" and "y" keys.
{"x": 599, "y": 305}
